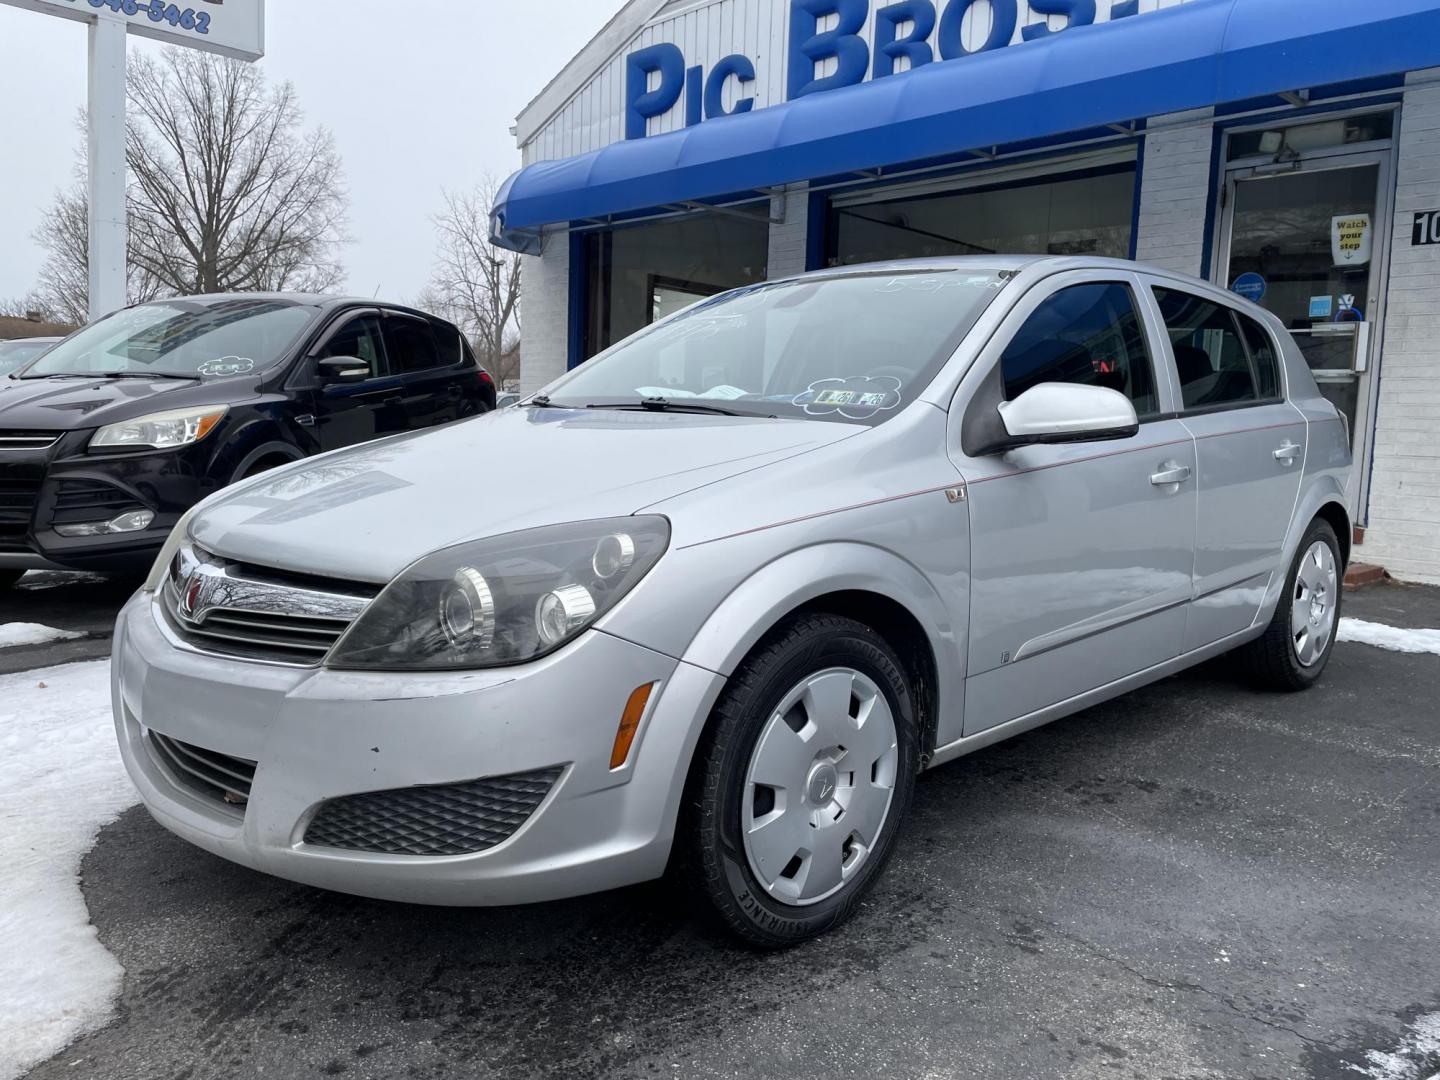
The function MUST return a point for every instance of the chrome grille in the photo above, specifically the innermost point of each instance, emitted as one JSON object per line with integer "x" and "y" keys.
{"x": 438, "y": 819}
{"x": 207, "y": 773}
{"x": 28, "y": 440}
{"x": 235, "y": 609}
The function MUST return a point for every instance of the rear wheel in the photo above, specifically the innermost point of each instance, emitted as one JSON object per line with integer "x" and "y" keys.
{"x": 801, "y": 782}
{"x": 1293, "y": 651}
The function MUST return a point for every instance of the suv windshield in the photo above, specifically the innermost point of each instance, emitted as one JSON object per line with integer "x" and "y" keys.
{"x": 184, "y": 338}
{"x": 852, "y": 347}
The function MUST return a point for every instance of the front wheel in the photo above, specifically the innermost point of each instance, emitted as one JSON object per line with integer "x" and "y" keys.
{"x": 1293, "y": 651}
{"x": 801, "y": 781}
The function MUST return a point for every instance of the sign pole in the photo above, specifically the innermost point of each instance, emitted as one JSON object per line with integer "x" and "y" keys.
{"x": 105, "y": 139}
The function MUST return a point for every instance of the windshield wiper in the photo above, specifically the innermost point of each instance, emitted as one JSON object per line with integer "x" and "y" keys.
{"x": 146, "y": 375}
{"x": 540, "y": 401}
{"x": 663, "y": 404}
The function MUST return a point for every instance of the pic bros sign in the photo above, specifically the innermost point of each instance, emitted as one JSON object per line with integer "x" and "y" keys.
{"x": 229, "y": 27}
{"x": 905, "y": 35}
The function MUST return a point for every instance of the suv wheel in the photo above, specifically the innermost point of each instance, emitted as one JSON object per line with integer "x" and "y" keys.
{"x": 1293, "y": 651}
{"x": 801, "y": 780}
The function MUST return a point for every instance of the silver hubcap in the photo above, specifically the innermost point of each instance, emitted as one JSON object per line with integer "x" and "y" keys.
{"x": 1312, "y": 608}
{"x": 819, "y": 786}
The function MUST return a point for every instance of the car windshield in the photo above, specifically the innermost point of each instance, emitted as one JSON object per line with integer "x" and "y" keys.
{"x": 853, "y": 347}
{"x": 15, "y": 353}
{"x": 183, "y": 338}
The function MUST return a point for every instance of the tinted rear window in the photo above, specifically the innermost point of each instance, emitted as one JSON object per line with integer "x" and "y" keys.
{"x": 1210, "y": 358}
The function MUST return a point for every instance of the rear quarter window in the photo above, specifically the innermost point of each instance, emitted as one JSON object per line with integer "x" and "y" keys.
{"x": 1263, "y": 355}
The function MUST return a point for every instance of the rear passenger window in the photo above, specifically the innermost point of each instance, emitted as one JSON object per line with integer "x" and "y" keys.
{"x": 1209, "y": 355}
{"x": 447, "y": 344}
{"x": 1262, "y": 355}
{"x": 1088, "y": 334}
{"x": 411, "y": 344}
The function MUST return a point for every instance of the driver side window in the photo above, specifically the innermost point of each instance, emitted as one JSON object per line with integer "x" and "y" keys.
{"x": 1088, "y": 334}
{"x": 360, "y": 337}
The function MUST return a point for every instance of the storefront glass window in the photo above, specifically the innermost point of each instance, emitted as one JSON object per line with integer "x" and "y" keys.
{"x": 1087, "y": 214}
{"x": 637, "y": 275}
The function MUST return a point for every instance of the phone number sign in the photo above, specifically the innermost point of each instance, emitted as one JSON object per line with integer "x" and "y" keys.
{"x": 229, "y": 27}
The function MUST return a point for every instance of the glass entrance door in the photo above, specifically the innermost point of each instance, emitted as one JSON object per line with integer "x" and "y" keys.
{"x": 1306, "y": 239}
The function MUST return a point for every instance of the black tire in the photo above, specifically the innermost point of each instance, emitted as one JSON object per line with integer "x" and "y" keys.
{"x": 711, "y": 850}
{"x": 1270, "y": 660}
{"x": 9, "y": 577}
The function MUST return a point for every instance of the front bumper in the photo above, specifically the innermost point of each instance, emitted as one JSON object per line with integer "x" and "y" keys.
{"x": 62, "y": 484}
{"x": 317, "y": 734}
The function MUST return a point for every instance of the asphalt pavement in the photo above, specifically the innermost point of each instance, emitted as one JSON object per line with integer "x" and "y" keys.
{"x": 85, "y": 604}
{"x": 1197, "y": 880}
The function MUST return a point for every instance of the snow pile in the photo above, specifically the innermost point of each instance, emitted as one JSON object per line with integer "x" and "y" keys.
{"x": 32, "y": 633}
{"x": 1413, "y": 1059}
{"x": 60, "y": 780}
{"x": 1389, "y": 637}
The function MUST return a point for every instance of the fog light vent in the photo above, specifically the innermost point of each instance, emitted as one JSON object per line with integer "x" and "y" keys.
{"x": 441, "y": 819}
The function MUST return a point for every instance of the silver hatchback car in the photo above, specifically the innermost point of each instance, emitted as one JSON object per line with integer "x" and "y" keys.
{"x": 758, "y": 566}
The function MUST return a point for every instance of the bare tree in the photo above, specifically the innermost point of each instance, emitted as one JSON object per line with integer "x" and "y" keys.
{"x": 476, "y": 284}
{"x": 227, "y": 191}
{"x": 64, "y": 285}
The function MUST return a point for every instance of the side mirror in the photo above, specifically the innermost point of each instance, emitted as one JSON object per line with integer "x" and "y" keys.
{"x": 343, "y": 369}
{"x": 1068, "y": 412}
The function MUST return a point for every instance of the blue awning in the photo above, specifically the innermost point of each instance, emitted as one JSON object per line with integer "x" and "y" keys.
{"x": 1207, "y": 52}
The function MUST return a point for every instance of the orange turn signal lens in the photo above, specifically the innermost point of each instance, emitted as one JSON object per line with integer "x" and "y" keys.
{"x": 207, "y": 424}
{"x": 630, "y": 724}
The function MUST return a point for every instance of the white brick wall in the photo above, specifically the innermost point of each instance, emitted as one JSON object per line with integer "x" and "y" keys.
{"x": 1174, "y": 187}
{"x": 788, "y": 241}
{"x": 544, "y": 308}
{"x": 1404, "y": 513}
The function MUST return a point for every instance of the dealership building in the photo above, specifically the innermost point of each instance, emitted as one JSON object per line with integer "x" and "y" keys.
{"x": 1289, "y": 149}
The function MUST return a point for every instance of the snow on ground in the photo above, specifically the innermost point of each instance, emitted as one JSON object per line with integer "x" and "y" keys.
{"x": 1414, "y": 1059}
{"x": 32, "y": 633}
{"x": 1389, "y": 637}
{"x": 60, "y": 780}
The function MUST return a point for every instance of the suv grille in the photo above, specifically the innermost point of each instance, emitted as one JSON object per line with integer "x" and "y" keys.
{"x": 443, "y": 819}
{"x": 17, "y": 505}
{"x": 258, "y": 614}
{"x": 28, "y": 440}
{"x": 209, "y": 774}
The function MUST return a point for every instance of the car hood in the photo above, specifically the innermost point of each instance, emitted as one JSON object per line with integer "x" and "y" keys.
{"x": 69, "y": 404}
{"x": 368, "y": 512}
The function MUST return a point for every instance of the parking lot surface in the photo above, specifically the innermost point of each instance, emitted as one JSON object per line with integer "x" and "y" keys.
{"x": 1197, "y": 880}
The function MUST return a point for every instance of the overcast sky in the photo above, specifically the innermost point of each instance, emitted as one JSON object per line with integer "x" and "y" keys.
{"x": 420, "y": 97}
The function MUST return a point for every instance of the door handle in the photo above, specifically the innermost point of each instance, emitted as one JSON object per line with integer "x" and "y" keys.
{"x": 1170, "y": 473}
{"x": 453, "y": 392}
{"x": 1287, "y": 452}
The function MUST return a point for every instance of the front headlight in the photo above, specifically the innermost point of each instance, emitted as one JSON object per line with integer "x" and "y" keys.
{"x": 161, "y": 567}
{"x": 161, "y": 430}
{"x": 502, "y": 600}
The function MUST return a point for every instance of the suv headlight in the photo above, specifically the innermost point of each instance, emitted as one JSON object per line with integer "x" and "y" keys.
{"x": 502, "y": 600}
{"x": 161, "y": 430}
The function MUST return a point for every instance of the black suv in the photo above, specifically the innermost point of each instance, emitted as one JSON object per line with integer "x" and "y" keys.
{"x": 111, "y": 435}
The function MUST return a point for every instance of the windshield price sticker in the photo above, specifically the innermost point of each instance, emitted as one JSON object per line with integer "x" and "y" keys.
{"x": 158, "y": 11}
{"x": 849, "y": 397}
